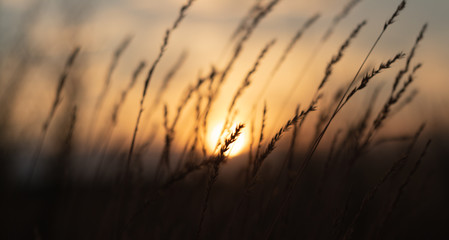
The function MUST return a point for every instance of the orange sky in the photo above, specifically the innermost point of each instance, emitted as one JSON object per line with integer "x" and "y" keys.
{"x": 204, "y": 34}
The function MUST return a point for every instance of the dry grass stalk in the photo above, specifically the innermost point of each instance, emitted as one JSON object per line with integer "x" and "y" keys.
{"x": 355, "y": 133}
{"x": 288, "y": 161}
{"x": 164, "y": 161}
{"x": 240, "y": 44}
{"x": 409, "y": 99}
{"x": 287, "y": 50}
{"x": 244, "y": 23}
{"x": 182, "y": 13}
{"x": 309, "y": 22}
{"x": 272, "y": 145}
{"x": 326, "y": 112}
{"x": 185, "y": 151}
{"x": 125, "y": 92}
{"x": 245, "y": 84}
{"x": 337, "y": 19}
{"x": 170, "y": 129}
{"x": 196, "y": 140}
{"x": 385, "y": 140}
{"x": 336, "y": 58}
{"x": 291, "y": 149}
{"x": 403, "y": 71}
{"x": 392, "y": 19}
{"x": 185, "y": 171}
{"x": 182, "y": 104}
{"x": 205, "y": 114}
{"x": 163, "y": 47}
{"x": 214, "y": 175}
{"x": 394, "y": 99}
{"x": 165, "y": 83}
{"x": 365, "y": 80}
{"x": 112, "y": 66}
{"x": 62, "y": 166}
{"x": 250, "y": 151}
{"x": 56, "y": 102}
{"x": 69, "y": 138}
{"x": 168, "y": 78}
{"x": 247, "y": 80}
{"x": 61, "y": 83}
{"x": 261, "y": 135}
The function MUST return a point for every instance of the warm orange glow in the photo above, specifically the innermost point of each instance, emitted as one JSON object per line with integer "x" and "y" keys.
{"x": 235, "y": 149}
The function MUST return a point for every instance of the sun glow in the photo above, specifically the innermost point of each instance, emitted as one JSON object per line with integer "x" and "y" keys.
{"x": 235, "y": 148}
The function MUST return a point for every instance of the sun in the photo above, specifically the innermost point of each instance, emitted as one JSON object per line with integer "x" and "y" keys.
{"x": 235, "y": 148}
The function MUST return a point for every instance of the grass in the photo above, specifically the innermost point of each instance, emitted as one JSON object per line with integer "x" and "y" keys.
{"x": 311, "y": 179}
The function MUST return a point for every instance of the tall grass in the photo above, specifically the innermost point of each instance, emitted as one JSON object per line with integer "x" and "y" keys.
{"x": 317, "y": 141}
{"x": 217, "y": 161}
{"x": 304, "y": 70}
{"x": 304, "y": 181}
{"x": 178, "y": 20}
{"x": 309, "y": 22}
{"x": 56, "y": 102}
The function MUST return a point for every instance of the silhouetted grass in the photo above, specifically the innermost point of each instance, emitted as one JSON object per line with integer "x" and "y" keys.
{"x": 364, "y": 179}
{"x": 56, "y": 102}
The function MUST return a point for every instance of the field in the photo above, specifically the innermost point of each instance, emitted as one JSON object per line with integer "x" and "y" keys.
{"x": 193, "y": 119}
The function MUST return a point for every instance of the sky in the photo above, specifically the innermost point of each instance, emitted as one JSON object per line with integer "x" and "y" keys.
{"x": 99, "y": 26}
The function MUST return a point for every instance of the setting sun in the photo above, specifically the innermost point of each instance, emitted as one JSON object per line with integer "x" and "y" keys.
{"x": 235, "y": 149}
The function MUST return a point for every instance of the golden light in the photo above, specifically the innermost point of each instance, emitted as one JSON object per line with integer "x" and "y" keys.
{"x": 236, "y": 148}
